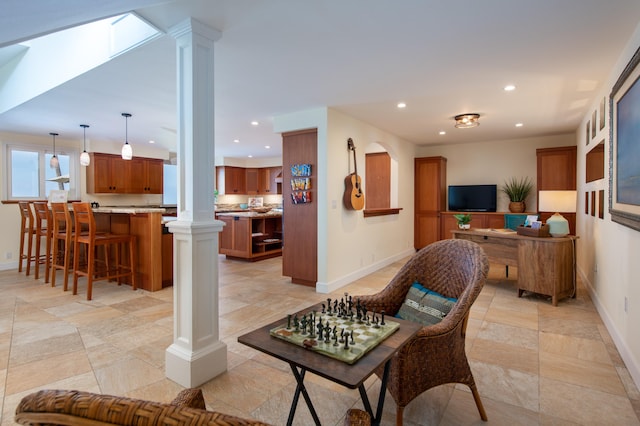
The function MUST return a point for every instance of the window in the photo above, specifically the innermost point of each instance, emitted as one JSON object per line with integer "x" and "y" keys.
{"x": 170, "y": 182}
{"x": 27, "y": 174}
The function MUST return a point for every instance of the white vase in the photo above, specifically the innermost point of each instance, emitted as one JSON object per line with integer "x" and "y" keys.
{"x": 464, "y": 225}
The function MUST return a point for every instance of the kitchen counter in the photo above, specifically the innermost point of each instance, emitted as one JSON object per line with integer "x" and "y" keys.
{"x": 250, "y": 214}
{"x": 129, "y": 209}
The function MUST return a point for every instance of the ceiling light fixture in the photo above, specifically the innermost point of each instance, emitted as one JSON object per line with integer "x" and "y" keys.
{"x": 254, "y": 123}
{"x": 127, "y": 152}
{"x": 466, "y": 121}
{"x": 519, "y": 124}
{"x": 54, "y": 163}
{"x": 84, "y": 157}
{"x": 402, "y": 105}
{"x": 509, "y": 88}
{"x": 442, "y": 132}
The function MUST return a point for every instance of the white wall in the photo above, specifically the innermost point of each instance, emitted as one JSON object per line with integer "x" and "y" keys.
{"x": 607, "y": 251}
{"x": 494, "y": 162}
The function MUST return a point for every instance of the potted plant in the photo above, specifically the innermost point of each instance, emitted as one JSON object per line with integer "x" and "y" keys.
{"x": 517, "y": 189}
{"x": 464, "y": 220}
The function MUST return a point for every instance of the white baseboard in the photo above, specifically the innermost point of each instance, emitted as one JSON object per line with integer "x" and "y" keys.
{"x": 8, "y": 266}
{"x": 621, "y": 345}
{"x": 325, "y": 288}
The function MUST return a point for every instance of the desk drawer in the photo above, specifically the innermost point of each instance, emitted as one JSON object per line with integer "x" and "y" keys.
{"x": 498, "y": 249}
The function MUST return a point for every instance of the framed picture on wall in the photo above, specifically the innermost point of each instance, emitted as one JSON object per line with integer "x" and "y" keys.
{"x": 588, "y": 129}
{"x": 603, "y": 102}
{"x": 594, "y": 124}
{"x": 624, "y": 149}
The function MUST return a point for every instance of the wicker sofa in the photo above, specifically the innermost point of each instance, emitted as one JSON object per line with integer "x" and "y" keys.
{"x": 70, "y": 407}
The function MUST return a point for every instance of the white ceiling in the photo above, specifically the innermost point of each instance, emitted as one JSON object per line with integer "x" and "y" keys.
{"x": 360, "y": 57}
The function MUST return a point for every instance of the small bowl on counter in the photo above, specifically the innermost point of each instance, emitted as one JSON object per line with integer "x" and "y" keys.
{"x": 260, "y": 209}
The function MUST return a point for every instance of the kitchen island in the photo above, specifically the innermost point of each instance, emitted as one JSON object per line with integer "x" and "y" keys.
{"x": 251, "y": 236}
{"x": 146, "y": 223}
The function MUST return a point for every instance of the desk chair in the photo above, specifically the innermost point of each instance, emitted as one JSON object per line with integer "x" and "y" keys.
{"x": 512, "y": 221}
{"x": 110, "y": 267}
{"x": 43, "y": 230}
{"x": 26, "y": 230}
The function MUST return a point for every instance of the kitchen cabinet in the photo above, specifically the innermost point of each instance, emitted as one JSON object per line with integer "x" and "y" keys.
{"x": 109, "y": 173}
{"x": 146, "y": 176}
{"x": 430, "y": 199}
{"x": 258, "y": 180}
{"x": 556, "y": 170}
{"x": 231, "y": 180}
{"x": 250, "y": 237}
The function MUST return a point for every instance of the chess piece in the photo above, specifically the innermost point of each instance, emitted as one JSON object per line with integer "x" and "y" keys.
{"x": 289, "y": 322}
{"x": 327, "y": 332}
{"x": 353, "y": 341}
{"x": 323, "y": 309}
{"x": 346, "y": 344}
{"x": 382, "y": 322}
{"x": 329, "y": 306}
{"x": 341, "y": 336}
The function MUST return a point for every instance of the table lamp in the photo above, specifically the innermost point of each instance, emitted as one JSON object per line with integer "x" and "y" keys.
{"x": 558, "y": 202}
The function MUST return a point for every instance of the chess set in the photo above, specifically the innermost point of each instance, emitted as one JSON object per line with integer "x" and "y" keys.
{"x": 337, "y": 331}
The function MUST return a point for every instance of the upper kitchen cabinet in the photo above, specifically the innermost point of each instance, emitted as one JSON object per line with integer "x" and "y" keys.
{"x": 146, "y": 176}
{"x": 231, "y": 180}
{"x": 262, "y": 181}
{"x": 109, "y": 173}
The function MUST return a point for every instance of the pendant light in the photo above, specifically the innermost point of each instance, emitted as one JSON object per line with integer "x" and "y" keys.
{"x": 54, "y": 163}
{"x": 84, "y": 157}
{"x": 127, "y": 152}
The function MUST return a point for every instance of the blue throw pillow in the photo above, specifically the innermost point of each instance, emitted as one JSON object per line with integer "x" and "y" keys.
{"x": 425, "y": 306}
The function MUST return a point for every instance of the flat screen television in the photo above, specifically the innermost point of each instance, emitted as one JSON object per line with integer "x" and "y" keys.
{"x": 472, "y": 198}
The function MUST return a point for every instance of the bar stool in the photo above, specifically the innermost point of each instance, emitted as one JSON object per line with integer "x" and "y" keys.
{"x": 83, "y": 216}
{"x": 62, "y": 238}
{"x": 43, "y": 230}
{"x": 26, "y": 230}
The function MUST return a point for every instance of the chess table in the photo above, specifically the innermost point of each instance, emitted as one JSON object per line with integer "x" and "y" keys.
{"x": 352, "y": 376}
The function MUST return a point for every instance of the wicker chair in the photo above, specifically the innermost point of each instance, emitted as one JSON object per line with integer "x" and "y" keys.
{"x": 436, "y": 356}
{"x": 65, "y": 407}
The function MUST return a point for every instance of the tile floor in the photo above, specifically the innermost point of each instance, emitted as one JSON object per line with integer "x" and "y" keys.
{"x": 534, "y": 364}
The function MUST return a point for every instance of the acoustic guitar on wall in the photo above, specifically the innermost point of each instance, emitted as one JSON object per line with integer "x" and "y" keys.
{"x": 353, "y": 195}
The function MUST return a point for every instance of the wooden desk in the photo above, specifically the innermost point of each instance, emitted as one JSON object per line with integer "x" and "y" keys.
{"x": 545, "y": 265}
{"x": 351, "y": 376}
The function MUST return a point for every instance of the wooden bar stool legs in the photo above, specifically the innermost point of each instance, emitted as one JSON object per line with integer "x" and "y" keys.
{"x": 62, "y": 241}
{"x": 26, "y": 231}
{"x": 43, "y": 230}
{"x": 113, "y": 267}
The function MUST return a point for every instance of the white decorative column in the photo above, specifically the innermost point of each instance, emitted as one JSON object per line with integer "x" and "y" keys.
{"x": 197, "y": 354}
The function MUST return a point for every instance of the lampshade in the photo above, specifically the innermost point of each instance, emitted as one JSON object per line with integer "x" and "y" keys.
{"x": 54, "y": 163}
{"x": 557, "y": 201}
{"x": 466, "y": 121}
{"x": 127, "y": 152}
{"x": 84, "y": 157}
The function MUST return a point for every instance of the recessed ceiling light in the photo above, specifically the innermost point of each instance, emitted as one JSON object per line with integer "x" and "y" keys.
{"x": 402, "y": 105}
{"x": 250, "y": 156}
{"x": 236, "y": 141}
{"x": 152, "y": 141}
{"x": 254, "y": 123}
{"x": 519, "y": 124}
{"x": 509, "y": 88}
{"x": 267, "y": 146}
{"x": 442, "y": 132}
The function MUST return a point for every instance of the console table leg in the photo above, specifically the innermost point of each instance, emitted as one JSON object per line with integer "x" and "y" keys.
{"x": 299, "y": 375}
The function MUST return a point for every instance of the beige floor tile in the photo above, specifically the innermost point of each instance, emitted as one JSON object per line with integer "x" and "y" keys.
{"x": 601, "y": 377}
{"x": 39, "y": 373}
{"x": 576, "y": 347}
{"x": 126, "y": 375}
{"x": 505, "y": 385}
{"x": 505, "y": 355}
{"x": 583, "y": 405}
{"x": 515, "y": 336}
